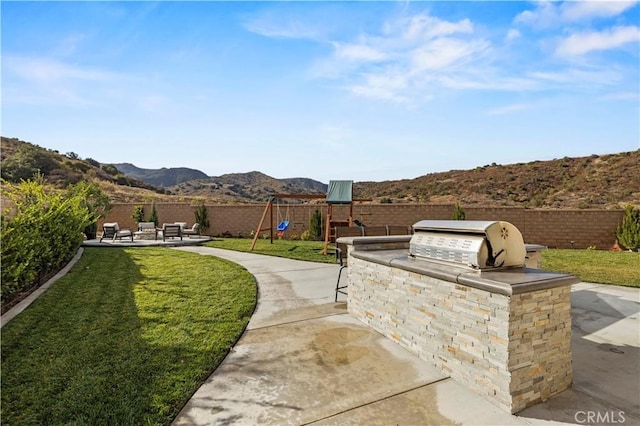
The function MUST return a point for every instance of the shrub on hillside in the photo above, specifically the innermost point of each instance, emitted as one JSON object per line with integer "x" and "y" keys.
{"x": 110, "y": 169}
{"x": 27, "y": 162}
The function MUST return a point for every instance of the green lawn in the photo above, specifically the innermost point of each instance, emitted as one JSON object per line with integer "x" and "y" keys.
{"x": 125, "y": 338}
{"x": 599, "y": 266}
{"x": 129, "y": 334}
{"x": 596, "y": 266}
{"x": 291, "y": 249}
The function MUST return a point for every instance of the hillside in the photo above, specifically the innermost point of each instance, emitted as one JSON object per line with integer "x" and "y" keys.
{"x": 598, "y": 181}
{"x": 247, "y": 187}
{"x": 22, "y": 160}
{"x": 161, "y": 177}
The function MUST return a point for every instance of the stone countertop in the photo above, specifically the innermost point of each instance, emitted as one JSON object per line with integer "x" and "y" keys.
{"x": 507, "y": 281}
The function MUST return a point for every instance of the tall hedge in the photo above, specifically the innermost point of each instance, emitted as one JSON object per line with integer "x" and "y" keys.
{"x": 41, "y": 231}
{"x": 458, "y": 213}
{"x": 315, "y": 225}
{"x": 628, "y": 232}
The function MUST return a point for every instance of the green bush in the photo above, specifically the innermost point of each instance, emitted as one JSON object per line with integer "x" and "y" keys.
{"x": 315, "y": 226}
{"x": 110, "y": 169}
{"x": 138, "y": 214}
{"x": 628, "y": 232}
{"x": 43, "y": 231}
{"x": 458, "y": 213}
{"x": 153, "y": 217}
{"x": 202, "y": 218}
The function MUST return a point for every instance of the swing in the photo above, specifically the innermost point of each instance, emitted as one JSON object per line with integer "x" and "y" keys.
{"x": 284, "y": 224}
{"x": 298, "y": 225}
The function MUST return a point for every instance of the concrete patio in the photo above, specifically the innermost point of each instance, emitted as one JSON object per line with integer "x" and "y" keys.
{"x": 304, "y": 360}
{"x": 146, "y": 242}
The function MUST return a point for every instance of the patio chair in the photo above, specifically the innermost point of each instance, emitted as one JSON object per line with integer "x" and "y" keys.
{"x": 194, "y": 230}
{"x": 112, "y": 230}
{"x": 171, "y": 230}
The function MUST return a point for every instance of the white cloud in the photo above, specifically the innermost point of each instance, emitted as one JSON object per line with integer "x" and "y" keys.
{"x": 412, "y": 58}
{"x": 509, "y": 109}
{"x": 425, "y": 27}
{"x": 281, "y": 23}
{"x": 551, "y": 13}
{"x": 386, "y": 86}
{"x": 513, "y": 34}
{"x": 575, "y": 77}
{"x": 582, "y": 10}
{"x": 358, "y": 52}
{"x": 544, "y": 15}
{"x": 397, "y": 63}
{"x": 445, "y": 53}
{"x": 622, "y": 96}
{"x": 582, "y": 43}
{"x": 490, "y": 81}
{"x": 291, "y": 29}
{"x": 46, "y": 71}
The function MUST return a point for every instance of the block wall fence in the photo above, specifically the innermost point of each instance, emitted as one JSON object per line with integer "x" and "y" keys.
{"x": 553, "y": 228}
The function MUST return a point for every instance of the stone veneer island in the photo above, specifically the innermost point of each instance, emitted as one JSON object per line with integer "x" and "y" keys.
{"x": 504, "y": 334}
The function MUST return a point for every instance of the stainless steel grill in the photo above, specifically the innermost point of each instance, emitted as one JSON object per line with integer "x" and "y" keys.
{"x": 468, "y": 243}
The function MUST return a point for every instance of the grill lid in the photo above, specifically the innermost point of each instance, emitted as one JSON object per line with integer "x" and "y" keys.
{"x": 473, "y": 244}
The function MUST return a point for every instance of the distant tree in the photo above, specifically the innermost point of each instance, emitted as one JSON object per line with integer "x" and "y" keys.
{"x": 110, "y": 168}
{"x": 628, "y": 232}
{"x": 315, "y": 225}
{"x": 153, "y": 217}
{"x": 202, "y": 217}
{"x": 458, "y": 213}
{"x": 138, "y": 214}
{"x": 72, "y": 155}
{"x": 93, "y": 162}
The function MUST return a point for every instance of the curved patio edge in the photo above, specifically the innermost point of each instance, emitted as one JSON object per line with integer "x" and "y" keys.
{"x": 147, "y": 243}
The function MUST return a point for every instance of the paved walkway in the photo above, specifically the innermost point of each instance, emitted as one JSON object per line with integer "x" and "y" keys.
{"x": 304, "y": 360}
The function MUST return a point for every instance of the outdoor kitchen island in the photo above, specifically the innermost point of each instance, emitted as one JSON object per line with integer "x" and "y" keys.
{"x": 458, "y": 294}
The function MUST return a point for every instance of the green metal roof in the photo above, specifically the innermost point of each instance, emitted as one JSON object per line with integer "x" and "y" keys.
{"x": 340, "y": 192}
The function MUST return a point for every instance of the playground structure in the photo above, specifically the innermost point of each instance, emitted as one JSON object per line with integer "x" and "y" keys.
{"x": 339, "y": 193}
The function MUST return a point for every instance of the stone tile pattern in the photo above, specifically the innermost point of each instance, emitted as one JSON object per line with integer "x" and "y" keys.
{"x": 514, "y": 351}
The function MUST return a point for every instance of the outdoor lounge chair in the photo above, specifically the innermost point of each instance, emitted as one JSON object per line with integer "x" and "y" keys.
{"x": 171, "y": 230}
{"x": 112, "y": 230}
{"x": 194, "y": 230}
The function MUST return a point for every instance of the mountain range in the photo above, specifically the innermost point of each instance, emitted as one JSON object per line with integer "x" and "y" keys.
{"x": 596, "y": 181}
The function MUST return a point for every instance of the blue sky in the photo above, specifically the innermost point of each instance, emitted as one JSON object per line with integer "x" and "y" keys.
{"x": 326, "y": 90}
